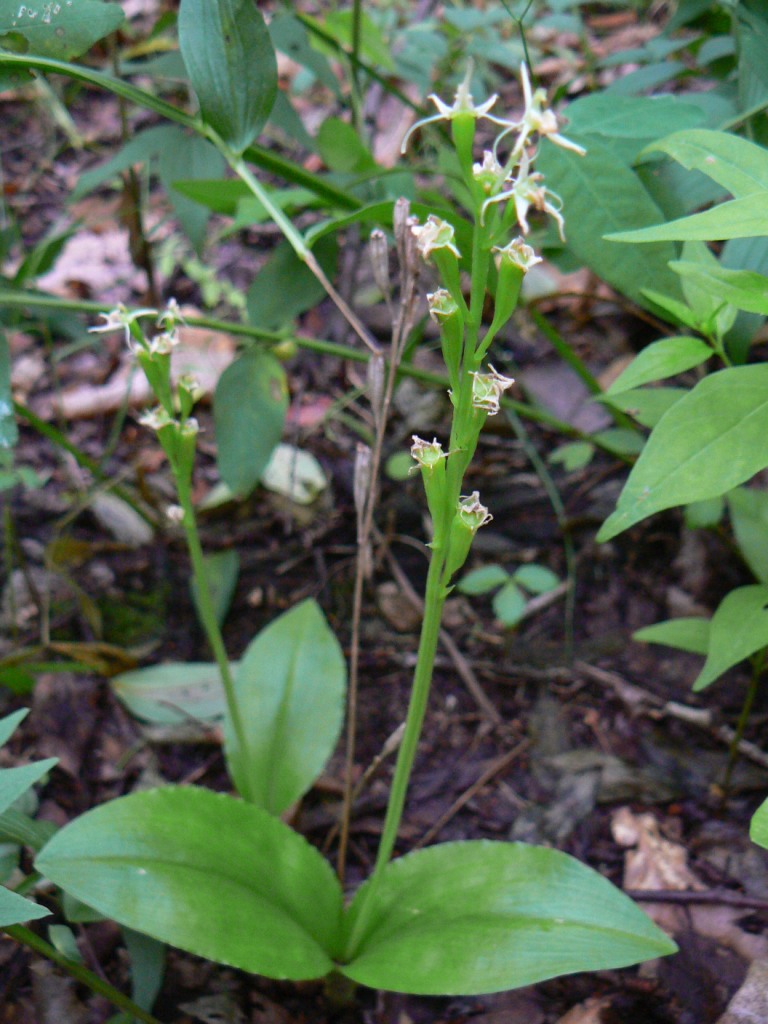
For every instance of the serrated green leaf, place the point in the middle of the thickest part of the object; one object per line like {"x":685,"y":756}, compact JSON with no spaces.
{"x":15,"y":909}
{"x":739,"y":628}
{"x":600,"y":195}
{"x":478,"y":917}
{"x":290,"y":692}
{"x":758,"y":829}
{"x":739,"y":218}
{"x":208,"y":873}
{"x":709,"y":442}
{"x":736,"y":164}
{"x":60,"y":29}
{"x":748,"y":507}
{"x":249,"y":410}
{"x":480,"y":581}
{"x":690,"y":634}
{"x":661,"y":359}
{"x":173,"y":692}
{"x":231,"y":65}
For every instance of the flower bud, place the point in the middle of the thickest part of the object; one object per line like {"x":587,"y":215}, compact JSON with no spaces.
{"x":470,"y":516}
{"x":444,"y":311}
{"x":513,"y":261}
{"x":431,"y":458}
{"x":436,"y":234}
{"x":487,"y":389}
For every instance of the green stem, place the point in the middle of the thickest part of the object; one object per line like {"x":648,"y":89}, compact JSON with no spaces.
{"x":357,"y":35}
{"x":26,"y":937}
{"x":208,"y":614}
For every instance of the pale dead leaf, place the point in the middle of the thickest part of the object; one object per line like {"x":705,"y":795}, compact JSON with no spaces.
{"x":750,"y":1004}
{"x":588,"y":1012}
{"x":655,"y":862}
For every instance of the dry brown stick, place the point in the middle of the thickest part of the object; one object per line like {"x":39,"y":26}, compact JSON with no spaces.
{"x":461,"y":664}
{"x":490,"y":772}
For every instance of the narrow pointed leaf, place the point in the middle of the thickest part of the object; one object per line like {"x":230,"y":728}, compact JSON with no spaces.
{"x":739,"y":629}
{"x":748,"y":507}
{"x":738,"y":165}
{"x":207,"y":873}
{"x":739,"y":218}
{"x":9,"y":724}
{"x":15,"y":909}
{"x":709,"y":442}
{"x":290,"y":689}
{"x":231,"y":65}
{"x":475,"y":917}
{"x":15,"y":781}
{"x":689,"y":634}
{"x":661,"y":359}
{"x":758,"y":830}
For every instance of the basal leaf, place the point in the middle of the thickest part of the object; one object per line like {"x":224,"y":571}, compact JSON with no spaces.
{"x":739,"y":628}
{"x":231,"y":65}
{"x":738,"y":165}
{"x":172,"y":692}
{"x":749,"y":518}
{"x":690,"y":634}
{"x":601,"y":194}
{"x":739,"y":218}
{"x":249,"y":411}
{"x":290,"y":692}
{"x":61,"y":29}
{"x":661,"y":359}
{"x":477,"y":917}
{"x":15,"y":909}
{"x":207,"y":873}
{"x":709,"y":442}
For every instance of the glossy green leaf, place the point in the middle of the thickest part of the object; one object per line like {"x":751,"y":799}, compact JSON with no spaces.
{"x":249,"y":410}
{"x":738,"y":165}
{"x":661,"y":359}
{"x":290,"y":691}
{"x":509,"y":604}
{"x":172,"y":692}
{"x":709,"y":442}
{"x":743,"y":289}
{"x":748,"y":507}
{"x":480,"y":581}
{"x":646,"y":405}
{"x":476,"y":917}
{"x":537,"y":579}
{"x":739,"y":218}
{"x":208,"y":873}
{"x":758,"y":829}
{"x":231,"y":65}
{"x":222,"y":569}
{"x":690,"y":634}
{"x":15,"y":909}
{"x":739,"y":628}
{"x":601,"y":194}
{"x":60,"y":30}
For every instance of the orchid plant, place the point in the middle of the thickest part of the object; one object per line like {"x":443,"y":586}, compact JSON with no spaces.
{"x":224,"y":877}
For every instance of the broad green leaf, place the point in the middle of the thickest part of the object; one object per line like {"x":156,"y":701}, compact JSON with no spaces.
{"x":600,"y":195}
{"x":341,"y":148}
{"x":509,"y":604}
{"x":173,"y":692}
{"x":231,"y":65}
{"x":480,"y":581}
{"x":631,"y":117}
{"x":684,"y":634}
{"x":249,"y":411}
{"x":15,"y":781}
{"x":758,"y":830}
{"x":222,"y":569}
{"x":749,"y":517}
{"x":661,"y":359}
{"x":738,"y":165}
{"x":478,"y":917}
{"x":739,"y":218}
{"x":743,"y":289}
{"x":646,"y":405}
{"x":739,"y":628}
{"x":15,"y":909}
{"x":290,"y":692}
{"x":709,"y":442}
{"x":208,"y":873}
{"x":8,"y":430}
{"x":285,"y":287}
{"x":60,"y":29}
{"x":536,"y":579}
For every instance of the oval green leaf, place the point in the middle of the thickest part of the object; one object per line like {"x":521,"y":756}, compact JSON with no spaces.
{"x":172,"y":692}
{"x":290,"y":691}
{"x":661,"y":359}
{"x":231,"y":65}
{"x":249,"y":412}
{"x":739,"y":628}
{"x":478,"y":917}
{"x":709,"y":442}
{"x":509,"y":604}
{"x":537,"y":579}
{"x":207,"y":873}
{"x":483,"y":579}
{"x":758,"y":830}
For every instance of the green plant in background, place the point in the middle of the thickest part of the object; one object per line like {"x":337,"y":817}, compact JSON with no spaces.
{"x":510,"y":602}
{"x":459,"y":918}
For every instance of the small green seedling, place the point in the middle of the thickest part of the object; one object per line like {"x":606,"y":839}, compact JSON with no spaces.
{"x":511,"y":600}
